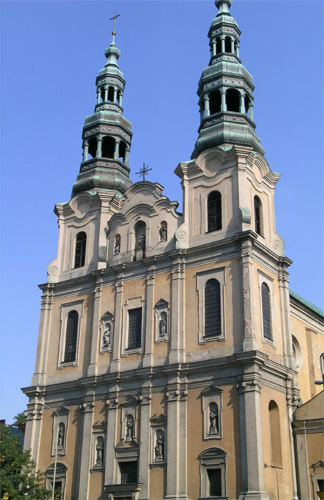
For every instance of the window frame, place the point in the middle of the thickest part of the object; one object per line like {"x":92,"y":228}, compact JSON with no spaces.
{"x":217,"y":214}
{"x":133,"y":303}
{"x":202,"y":278}
{"x":83,"y":252}
{"x":212,"y":459}
{"x":267,"y":280}
{"x":65,"y":310}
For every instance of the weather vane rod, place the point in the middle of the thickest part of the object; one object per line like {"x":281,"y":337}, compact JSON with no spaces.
{"x":143,"y":171}
{"x":114,"y":25}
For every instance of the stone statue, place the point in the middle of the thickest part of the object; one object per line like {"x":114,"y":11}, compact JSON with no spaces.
{"x":163,"y":324}
{"x":106,"y":335}
{"x":213,"y":420}
{"x":117,"y":245}
{"x":61,"y":433}
{"x":159,"y":449}
{"x":163,"y":232}
{"x":99,"y":452}
{"x":129,"y":428}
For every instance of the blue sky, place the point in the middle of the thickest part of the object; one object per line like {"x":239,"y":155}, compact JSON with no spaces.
{"x":51,"y":54}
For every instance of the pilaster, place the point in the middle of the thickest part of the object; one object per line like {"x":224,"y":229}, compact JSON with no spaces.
{"x":144,"y":457}
{"x":149,"y":322}
{"x":82,"y":489}
{"x":114,"y":367}
{"x":34,"y":417}
{"x":43,"y":336}
{"x":251,"y":439}
{"x":110,"y":461}
{"x":92,"y":369}
{"x":177,"y":354}
{"x":249,"y":338}
{"x":285,"y":313}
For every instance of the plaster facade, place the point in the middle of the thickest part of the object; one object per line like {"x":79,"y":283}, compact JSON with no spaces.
{"x":169,"y":344}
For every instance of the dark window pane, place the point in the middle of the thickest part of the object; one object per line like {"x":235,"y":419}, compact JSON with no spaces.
{"x":214,"y":211}
{"x":128,"y":472}
{"x":212,"y":308}
{"x":257,"y":214}
{"x":71,"y":336}
{"x":80,"y":249}
{"x":215,"y":482}
{"x":266,"y":311}
{"x":134,"y":328}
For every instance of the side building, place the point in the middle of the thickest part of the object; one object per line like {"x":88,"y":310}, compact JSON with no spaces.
{"x":172,"y":357}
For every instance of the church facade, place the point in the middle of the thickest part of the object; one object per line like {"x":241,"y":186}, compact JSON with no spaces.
{"x":173,"y":359}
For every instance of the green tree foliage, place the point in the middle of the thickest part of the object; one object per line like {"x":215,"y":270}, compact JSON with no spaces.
{"x":20,"y":418}
{"x":17,"y":476}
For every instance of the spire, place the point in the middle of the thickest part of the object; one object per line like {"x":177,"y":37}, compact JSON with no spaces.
{"x":106,"y":133}
{"x":225,"y":89}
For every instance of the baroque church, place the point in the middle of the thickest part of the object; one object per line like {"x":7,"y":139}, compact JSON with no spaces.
{"x":173,"y":362}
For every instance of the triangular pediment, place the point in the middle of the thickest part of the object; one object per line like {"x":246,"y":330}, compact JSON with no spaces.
{"x":158,"y":419}
{"x":212,"y":389}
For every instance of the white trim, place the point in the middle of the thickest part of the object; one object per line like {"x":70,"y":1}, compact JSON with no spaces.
{"x":202,"y":278}
{"x":65,"y":310}
{"x":134,"y":303}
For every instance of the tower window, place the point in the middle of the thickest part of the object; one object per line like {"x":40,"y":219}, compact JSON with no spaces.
{"x":134,"y":328}
{"x":266,"y":311}
{"x":214,"y":211}
{"x":218,"y":45}
{"x":233,"y":100}
{"x":92,"y":147}
{"x":228,"y":45}
{"x":108,"y":147}
{"x":122,"y":151}
{"x":215,"y":102}
{"x":80,"y":249}
{"x":247,"y":102}
{"x":111,"y":94}
{"x":128,"y":472}
{"x":71,"y":337}
{"x":102,"y":94}
{"x":258,"y":215}
{"x":212,"y":308}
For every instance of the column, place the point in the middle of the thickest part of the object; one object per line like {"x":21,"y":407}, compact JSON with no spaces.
{"x":223,"y":101}
{"x":116,"y":152}
{"x":206,"y":105}
{"x":238,"y":50}
{"x":251,"y":110}
{"x":223,"y":43}
{"x":127,"y":155}
{"x":92,"y":369}
{"x":43,"y":335}
{"x":176,"y":444}
{"x":98,"y":96}
{"x":252,"y":462}
{"x":149,"y":321}
{"x":106,"y":94}
{"x":85,"y":150}
{"x":145,"y":455}
{"x":83,"y":472}
{"x":242,"y":107}
{"x":115,"y":94}
{"x":120,"y":99}
{"x":177,"y":354}
{"x":99,"y":147}
{"x":110,"y":461}
{"x":285,"y":315}
{"x":114,"y":366}
{"x":249,"y":338}
{"x":232,"y":46}
{"x":214,"y":48}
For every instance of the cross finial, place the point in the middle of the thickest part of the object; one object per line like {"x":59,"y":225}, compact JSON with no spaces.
{"x":143,"y":171}
{"x":114,"y":25}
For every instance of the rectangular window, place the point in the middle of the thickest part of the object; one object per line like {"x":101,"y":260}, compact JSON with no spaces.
{"x":215,"y":482}
{"x":128,"y":472}
{"x":134,"y":328}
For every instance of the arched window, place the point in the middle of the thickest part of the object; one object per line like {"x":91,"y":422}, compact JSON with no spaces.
{"x":122,"y":151}
{"x":233,"y":100}
{"x":71,"y":337}
{"x":163,"y":231}
{"x":214,"y":209}
{"x":212,"y":473}
{"x":111,"y":94}
{"x":215,"y":102}
{"x":140,"y":240}
{"x":257,"y":215}
{"x":228,"y":44}
{"x":108,"y":147}
{"x":274,"y":417}
{"x":92,"y":147}
{"x":266,"y":311}
{"x":212,"y":308}
{"x":218,"y":45}
{"x":102,"y":94}
{"x":80,"y":249}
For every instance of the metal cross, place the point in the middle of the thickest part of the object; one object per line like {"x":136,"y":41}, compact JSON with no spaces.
{"x":114,"y":19}
{"x":143,"y":171}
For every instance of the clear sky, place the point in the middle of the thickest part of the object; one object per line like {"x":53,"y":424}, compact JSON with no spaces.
{"x":52,"y":52}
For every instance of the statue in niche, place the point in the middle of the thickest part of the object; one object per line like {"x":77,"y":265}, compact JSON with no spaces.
{"x":163,"y":232}
{"x":163,"y":324}
{"x":129,"y":428}
{"x":61,"y":435}
{"x":159,"y":448}
{"x":213,"y":419}
{"x":99,"y":452}
{"x":106,"y":335}
{"x":117,"y":245}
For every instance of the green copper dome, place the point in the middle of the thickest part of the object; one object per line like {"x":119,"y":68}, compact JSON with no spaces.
{"x":225,"y":90}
